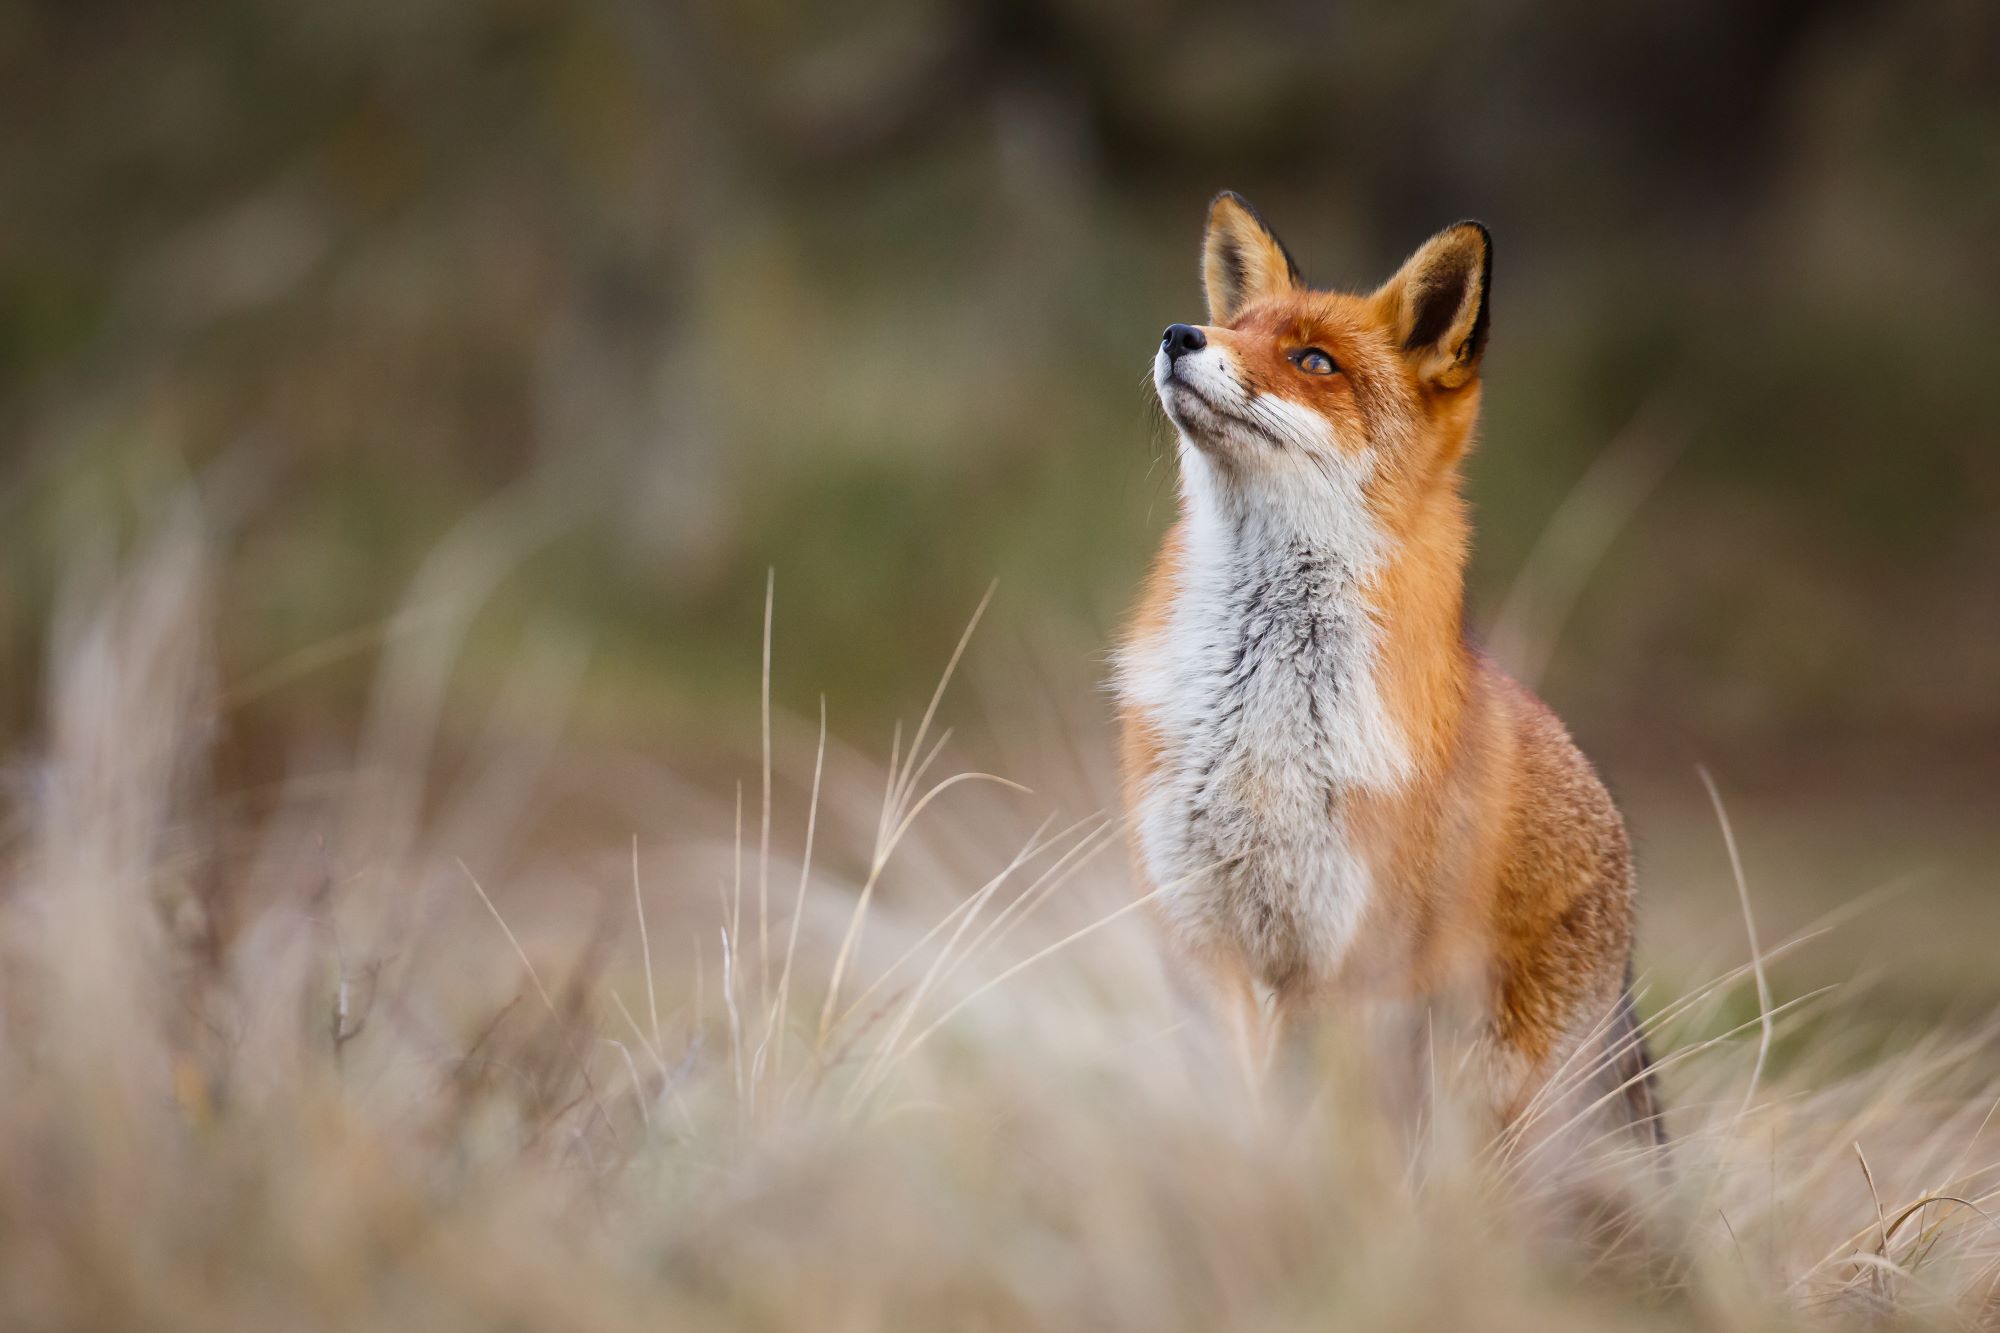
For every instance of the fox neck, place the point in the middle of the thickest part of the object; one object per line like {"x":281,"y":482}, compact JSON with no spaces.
{"x":1321,"y":573}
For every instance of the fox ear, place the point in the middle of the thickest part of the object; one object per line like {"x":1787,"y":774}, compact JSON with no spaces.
{"x":1438,"y":303}
{"x":1242,"y":260}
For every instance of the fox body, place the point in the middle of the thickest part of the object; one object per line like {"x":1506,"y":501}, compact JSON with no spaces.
{"x":1333,"y":792}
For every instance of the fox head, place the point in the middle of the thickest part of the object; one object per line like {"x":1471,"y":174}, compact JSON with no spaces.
{"x":1299,"y":402}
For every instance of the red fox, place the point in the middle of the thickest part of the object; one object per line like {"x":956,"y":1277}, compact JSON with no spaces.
{"x":1334,"y":791}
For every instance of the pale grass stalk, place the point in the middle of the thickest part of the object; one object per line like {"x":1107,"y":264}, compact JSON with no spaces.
{"x":1951,"y":1173}
{"x":943,"y":956}
{"x":764,"y":836}
{"x":1959,"y":1162}
{"x":638,"y":1033}
{"x":735,"y":1022}
{"x":1919,"y":1204}
{"x":775,"y":1023}
{"x":885,"y":846}
{"x":1052,"y":878}
{"x":950,"y":669}
{"x":1024,"y":905}
{"x":1730,"y":1128}
{"x":1017,"y":912}
{"x":700,"y":986}
{"x":1989,"y":1272}
{"x":582,"y":1066}
{"x":878,"y":863}
{"x":943,"y":923}
{"x":1842,"y":1249}
{"x":1756,"y":967}
{"x":1818,"y":928}
{"x":1847,"y":1252}
{"x":646,"y":947}
{"x":526,"y":963}
{"x":1665,"y":1062}
{"x":1046,"y":951}
{"x":638,"y":1085}
{"x":885,"y":814}
{"x":735,"y":903}
{"x":734,"y":931}
{"x":892,"y":1059}
{"x":1881,"y":1219}
{"x":914,"y":771}
{"x":1567,"y":1074}
{"x":1749,"y":930}
{"x":667,"y":1081}
{"x":1766,"y":1012}
{"x":1877,"y":1264}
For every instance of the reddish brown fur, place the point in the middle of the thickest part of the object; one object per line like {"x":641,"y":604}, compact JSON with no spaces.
{"x":1502,"y":864}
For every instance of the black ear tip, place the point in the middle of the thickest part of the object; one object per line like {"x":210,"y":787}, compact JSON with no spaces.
{"x":1485,"y":266}
{"x":1485,"y":236}
{"x":1236,"y":237}
{"x":1483,"y":322}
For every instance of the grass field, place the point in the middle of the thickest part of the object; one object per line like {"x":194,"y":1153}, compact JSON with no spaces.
{"x":861,"y":1042}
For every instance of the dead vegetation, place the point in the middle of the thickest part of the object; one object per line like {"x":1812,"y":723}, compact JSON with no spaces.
{"x":893,"y":1054}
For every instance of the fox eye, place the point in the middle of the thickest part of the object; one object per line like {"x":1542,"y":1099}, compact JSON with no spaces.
{"x":1314,"y":362}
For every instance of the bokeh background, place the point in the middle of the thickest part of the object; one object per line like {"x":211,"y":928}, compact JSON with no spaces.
{"x":677,"y":294}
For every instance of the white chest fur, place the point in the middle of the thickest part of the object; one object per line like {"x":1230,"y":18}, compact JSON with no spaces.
{"x":1261,"y":686}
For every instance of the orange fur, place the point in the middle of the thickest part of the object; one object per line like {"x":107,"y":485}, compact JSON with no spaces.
{"x":1496,"y":865}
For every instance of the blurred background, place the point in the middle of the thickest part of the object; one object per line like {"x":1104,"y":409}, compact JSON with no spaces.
{"x":669,"y":295}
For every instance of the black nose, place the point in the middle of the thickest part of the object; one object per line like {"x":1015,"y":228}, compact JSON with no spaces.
{"x":1182,"y":338}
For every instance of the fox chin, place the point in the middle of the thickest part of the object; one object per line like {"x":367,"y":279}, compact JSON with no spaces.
{"x":1334,"y":793}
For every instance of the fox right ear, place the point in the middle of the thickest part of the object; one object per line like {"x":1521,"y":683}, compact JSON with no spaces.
{"x":1242,"y":260}
{"x":1438,"y":301}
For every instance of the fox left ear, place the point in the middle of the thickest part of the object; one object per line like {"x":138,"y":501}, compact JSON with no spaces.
{"x":1438,"y":301}
{"x":1242,"y":260}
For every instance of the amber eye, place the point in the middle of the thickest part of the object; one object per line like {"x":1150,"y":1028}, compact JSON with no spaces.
{"x":1314,"y":362}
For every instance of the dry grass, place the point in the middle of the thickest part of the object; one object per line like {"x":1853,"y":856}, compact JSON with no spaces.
{"x":370,"y":1059}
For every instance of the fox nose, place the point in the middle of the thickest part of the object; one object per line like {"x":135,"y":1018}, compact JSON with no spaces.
{"x":1180,"y":339}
